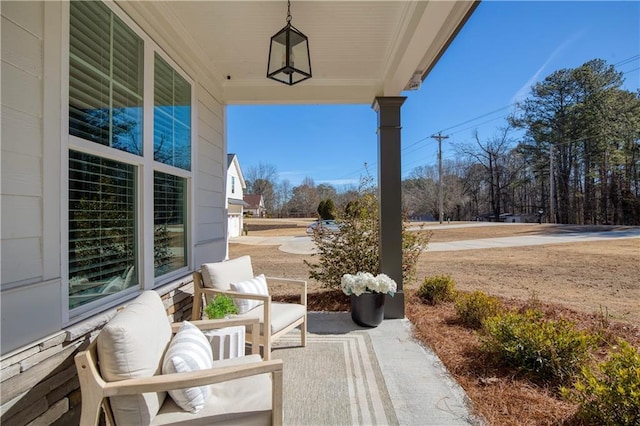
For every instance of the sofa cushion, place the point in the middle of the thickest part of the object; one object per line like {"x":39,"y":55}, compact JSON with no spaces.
{"x":257,"y":285}
{"x":189,"y":350}
{"x":245,"y":401}
{"x":132,"y":345}
{"x":220,"y":275}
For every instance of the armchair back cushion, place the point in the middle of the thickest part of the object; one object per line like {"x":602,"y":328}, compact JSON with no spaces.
{"x":130,"y":348}
{"x":220,"y":275}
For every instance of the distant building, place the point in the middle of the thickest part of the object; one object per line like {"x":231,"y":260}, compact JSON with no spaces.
{"x":255,"y":205}
{"x":235,"y":196}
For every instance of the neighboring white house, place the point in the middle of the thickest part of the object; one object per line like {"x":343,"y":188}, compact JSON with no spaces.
{"x":114,"y":153}
{"x":235,"y":193}
{"x":255,"y":205}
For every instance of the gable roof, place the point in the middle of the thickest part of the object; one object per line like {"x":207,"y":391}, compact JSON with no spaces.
{"x":254,"y":200}
{"x":232,"y":159}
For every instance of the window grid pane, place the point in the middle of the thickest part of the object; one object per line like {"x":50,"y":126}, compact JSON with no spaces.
{"x":105,"y":78}
{"x":102,"y":227}
{"x":170,"y":230}
{"x":172,"y":117}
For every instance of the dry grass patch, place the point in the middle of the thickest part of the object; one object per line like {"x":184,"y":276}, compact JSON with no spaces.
{"x":584,"y":276}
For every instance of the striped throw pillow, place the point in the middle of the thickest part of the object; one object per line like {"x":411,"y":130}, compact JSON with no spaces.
{"x":189,"y":350}
{"x":257,"y":285}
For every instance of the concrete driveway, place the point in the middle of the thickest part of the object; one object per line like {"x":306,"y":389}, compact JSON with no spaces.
{"x":304,"y":244}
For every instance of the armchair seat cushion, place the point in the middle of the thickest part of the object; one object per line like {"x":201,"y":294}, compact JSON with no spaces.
{"x":248,"y":397}
{"x":282,"y":315}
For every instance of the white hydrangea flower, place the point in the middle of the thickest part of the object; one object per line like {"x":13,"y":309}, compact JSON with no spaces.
{"x":365,"y":282}
{"x":386,"y":284}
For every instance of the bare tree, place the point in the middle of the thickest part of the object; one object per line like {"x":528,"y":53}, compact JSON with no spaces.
{"x":282,"y":196}
{"x":262,"y":179}
{"x":493,"y":155}
{"x":304,"y":200}
{"x":420,"y":192}
{"x":326,"y":192}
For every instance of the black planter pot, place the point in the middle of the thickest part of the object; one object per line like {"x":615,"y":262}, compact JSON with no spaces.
{"x":367,"y":310}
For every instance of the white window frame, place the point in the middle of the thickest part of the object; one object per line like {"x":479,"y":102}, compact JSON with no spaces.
{"x":145,"y":167}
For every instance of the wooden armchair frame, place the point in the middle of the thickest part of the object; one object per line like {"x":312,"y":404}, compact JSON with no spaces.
{"x":202,"y":294}
{"x":96,"y":391}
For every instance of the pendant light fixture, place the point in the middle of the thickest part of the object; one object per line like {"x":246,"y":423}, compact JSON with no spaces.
{"x":289,"y":60}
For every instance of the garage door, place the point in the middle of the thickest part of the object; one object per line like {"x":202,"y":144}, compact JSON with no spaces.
{"x":234,"y":225}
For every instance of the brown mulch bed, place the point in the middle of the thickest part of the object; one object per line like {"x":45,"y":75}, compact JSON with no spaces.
{"x":321,"y":301}
{"x":501,"y":395}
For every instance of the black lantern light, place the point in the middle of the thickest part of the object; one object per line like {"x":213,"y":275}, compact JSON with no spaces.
{"x":289,"y":60}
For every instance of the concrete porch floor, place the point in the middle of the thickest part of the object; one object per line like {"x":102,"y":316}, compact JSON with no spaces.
{"x":419,"y":390}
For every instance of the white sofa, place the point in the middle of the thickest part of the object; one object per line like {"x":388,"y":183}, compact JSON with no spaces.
{"x":121,"y":371}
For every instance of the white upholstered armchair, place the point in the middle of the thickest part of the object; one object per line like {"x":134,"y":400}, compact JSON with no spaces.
{"x":235,"y":278}
{"x":144,"y":370}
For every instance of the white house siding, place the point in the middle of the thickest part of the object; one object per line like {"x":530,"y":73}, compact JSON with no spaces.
{"x":211,"y":169}
{"x":30,"y":289}
{"x":39,"y":383}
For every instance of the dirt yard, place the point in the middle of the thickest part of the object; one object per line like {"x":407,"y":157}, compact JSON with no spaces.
{"x":585,"y":276}
{"x":594,"y":284}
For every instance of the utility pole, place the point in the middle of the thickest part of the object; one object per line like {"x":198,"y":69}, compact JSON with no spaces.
{"x":552,"y":188}
{"x":439,"y":137}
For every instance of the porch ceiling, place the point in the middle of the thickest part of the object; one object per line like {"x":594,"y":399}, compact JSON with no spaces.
{"x":359,"y":49}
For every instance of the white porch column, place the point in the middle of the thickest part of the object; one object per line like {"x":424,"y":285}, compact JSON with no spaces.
{"x":390,"y":201}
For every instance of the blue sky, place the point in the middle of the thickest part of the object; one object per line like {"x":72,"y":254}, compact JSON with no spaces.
{"x":504,"y":48}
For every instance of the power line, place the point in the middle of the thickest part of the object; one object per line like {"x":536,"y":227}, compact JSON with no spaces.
{"x":419,"y":147}
{"x":478,"y":117}
{"x":626,"y":61}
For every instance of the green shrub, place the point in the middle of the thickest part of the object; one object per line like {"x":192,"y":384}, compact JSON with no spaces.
{"x":474,"y":308}
{"x":327,"y":209}
{"x":356,"y":247}
{"x":437,"y":289}
{"x":609,"y":394}
{"x":220,"y":306}
{"x":549,"y":350}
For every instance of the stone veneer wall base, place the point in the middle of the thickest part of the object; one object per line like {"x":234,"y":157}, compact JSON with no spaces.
{"x":39,"y":384}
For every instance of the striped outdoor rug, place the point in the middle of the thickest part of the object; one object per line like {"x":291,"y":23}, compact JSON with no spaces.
{"x":335,"y":380}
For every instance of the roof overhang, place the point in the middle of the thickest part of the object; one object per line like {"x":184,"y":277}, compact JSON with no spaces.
{"x":359,"y":49}
{"x":236,"y":202}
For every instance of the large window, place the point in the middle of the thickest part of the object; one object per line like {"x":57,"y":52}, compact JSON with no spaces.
{"x":108,"y":211}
